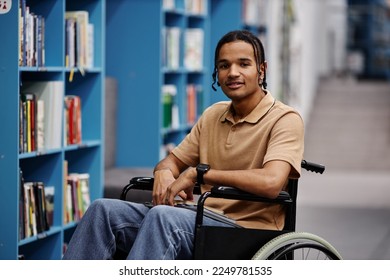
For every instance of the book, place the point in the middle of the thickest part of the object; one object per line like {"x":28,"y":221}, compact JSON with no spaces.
{"x":84,"y":192}
{"x":29,"y":102}
{"x":169,"y":4}
{"x":171,"y":47}
{"x":70,"y":42}
{"x":27,"y":210}
{"x":90,"y":50}
{"x":196,"y":7}
{"x":39,"y":207}
{"x":193,"y":49}
{"x":32,"y":208}
{"x":40,"y":125}
{"x":66,"y":206}
{"x":167,"y":107}
{"x":73,"y":129}
{"x":170,"y":109}
{"x":191,"y":104}
{"x":22,"y":32}
{"x":49,"y":198}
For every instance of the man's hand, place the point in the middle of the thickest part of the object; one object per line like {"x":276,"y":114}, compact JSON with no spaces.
{"x":172,"y":177}
{"x":183,"y":187}
{"x":162,"y":180}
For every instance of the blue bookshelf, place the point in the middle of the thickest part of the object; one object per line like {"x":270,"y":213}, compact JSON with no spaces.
{"x":47,"y":165}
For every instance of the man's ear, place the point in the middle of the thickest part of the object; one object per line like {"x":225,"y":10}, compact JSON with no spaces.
{"x":264,"y":65}
{"x":263,"y":68}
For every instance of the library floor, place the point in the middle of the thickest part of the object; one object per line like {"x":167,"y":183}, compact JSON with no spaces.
{"x":349,"y":205}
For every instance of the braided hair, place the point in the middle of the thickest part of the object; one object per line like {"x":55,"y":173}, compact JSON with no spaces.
{"x":248,"y":37}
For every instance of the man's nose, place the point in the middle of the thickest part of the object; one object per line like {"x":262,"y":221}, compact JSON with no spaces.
{"x":234,"y":70}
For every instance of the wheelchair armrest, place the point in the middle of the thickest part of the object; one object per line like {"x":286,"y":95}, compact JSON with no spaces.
{"x":236,"y":194}
{"x":143,"y":183}
{"x":137,"y":183}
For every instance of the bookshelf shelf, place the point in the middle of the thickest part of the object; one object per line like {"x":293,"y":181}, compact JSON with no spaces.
{"x":47,"y":163}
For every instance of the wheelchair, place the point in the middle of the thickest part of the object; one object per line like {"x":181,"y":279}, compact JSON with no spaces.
{"x":223,"y":243}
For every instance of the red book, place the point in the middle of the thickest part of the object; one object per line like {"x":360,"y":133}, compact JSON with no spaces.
{"x":69,"y":119}
{"x":191,"y":104}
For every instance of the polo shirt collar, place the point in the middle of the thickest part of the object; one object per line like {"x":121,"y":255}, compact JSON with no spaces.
{"x":257,"y":113}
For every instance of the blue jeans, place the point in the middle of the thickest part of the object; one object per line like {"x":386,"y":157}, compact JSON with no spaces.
{"x":113,"y":228}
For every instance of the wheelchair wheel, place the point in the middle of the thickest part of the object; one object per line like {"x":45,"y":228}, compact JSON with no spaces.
{"x":297,"y":246}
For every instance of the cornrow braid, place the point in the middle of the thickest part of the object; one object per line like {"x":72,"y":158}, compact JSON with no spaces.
{"x":248,"y":37}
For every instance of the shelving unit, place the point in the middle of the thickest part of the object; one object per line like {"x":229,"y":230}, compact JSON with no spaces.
{"x":48,"y":165}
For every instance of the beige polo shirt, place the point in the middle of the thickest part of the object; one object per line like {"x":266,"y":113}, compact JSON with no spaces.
{"x":272,"y":131}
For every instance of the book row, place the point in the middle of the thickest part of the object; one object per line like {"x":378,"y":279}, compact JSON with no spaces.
{"x":76,"y":196}
{"x":192,"y":50}
{"x":31,"y":37}
{"x":79,"y":42}
{"x":36,"y":203}
{"x":171,"y":114}
{"x":198,"y":7}
{"x":40,"y":117}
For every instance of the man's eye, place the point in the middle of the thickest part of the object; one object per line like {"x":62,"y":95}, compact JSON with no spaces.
{"x":223,"y":66}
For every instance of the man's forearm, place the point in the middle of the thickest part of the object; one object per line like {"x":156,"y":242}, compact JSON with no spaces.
{"x":172,"y":164}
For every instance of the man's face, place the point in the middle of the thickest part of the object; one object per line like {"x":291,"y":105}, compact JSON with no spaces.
{"x":237,"y":70}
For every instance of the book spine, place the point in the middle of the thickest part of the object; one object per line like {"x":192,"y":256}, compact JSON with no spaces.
{"x":191,"y":104}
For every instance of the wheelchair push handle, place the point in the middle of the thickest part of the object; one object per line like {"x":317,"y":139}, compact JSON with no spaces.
{"x":313,"y":167}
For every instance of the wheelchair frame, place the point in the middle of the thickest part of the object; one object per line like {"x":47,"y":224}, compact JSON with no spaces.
{"x":244,"y":243}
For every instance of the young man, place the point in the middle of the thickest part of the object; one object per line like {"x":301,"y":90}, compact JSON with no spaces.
{"x":252,"y":142}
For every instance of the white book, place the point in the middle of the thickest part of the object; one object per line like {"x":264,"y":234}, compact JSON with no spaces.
{"x":169,"y":4}
{"x":198,"y":7}
{"x":90,"y":50}
{"x":173,"y":47}
{"x":40,"y":124}
{"x":193,"y":49}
